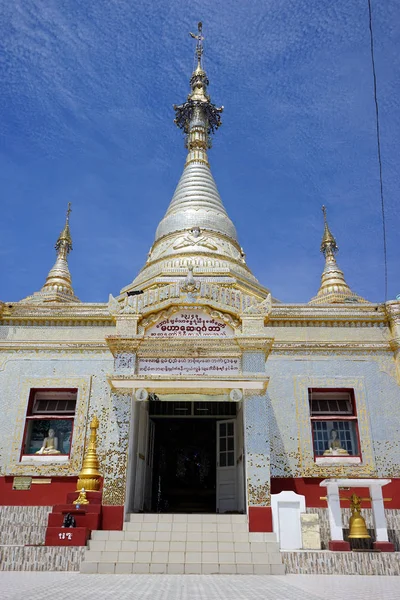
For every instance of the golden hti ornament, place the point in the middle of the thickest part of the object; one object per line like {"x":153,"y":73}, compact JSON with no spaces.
{"x":81,"y":499}
{"x":357,"y":526}
{"x":89,"y":477}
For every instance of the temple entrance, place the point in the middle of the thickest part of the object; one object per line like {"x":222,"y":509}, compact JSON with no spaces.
{"x":189,"y":457}
{"x":184,"y":471}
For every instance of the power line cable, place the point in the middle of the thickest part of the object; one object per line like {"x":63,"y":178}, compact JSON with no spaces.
{"x":378,"y":140}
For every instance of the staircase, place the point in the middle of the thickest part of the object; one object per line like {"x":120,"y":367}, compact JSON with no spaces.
{"x":183,"y":543}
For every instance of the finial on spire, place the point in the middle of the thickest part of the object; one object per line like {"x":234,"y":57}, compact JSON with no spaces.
{"x":64,"y":242}
{"x":199,"y":45}
{"x":328,"y":243}
{"x":198,"y":117}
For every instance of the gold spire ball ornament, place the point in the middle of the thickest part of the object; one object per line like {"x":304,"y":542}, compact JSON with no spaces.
{"x":333,"y":288}
{"x":58,"y":285}
{"x":89,"y":477}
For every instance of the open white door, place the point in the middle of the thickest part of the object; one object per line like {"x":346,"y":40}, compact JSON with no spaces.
{"x":226,"y":467}
{"x":240,"y":479}
{"x":141,"y":450}
{"x":148,"y":484}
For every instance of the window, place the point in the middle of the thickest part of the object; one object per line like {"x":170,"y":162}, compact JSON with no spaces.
{"x":334,"y":422}
{"x":49,"y":422}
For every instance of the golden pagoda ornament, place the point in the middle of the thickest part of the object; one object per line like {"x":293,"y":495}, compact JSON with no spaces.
{"x":357,"y":526}
{"x":89,"y":477}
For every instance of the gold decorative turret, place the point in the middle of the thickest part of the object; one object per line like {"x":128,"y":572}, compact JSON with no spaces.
{"x":333,"y":288}
{"x":58,"y":286}
{"x":89,"y":477}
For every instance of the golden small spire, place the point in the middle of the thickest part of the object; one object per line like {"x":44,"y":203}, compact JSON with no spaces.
{"x":58,"y":285}
{"x":328,"y":241}
{"x":89,"y":477}
{"x":333,"y":288}
{"x":64,"y":242}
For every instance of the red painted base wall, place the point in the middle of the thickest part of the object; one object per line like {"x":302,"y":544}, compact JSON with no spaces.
{"x":310,"y":488}
{"x":45,"y":494}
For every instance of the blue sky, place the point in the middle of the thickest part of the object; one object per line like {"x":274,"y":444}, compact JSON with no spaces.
{"x":86,"y":99}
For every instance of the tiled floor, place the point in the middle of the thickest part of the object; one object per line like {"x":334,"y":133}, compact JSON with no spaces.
{"x":63,"y":586}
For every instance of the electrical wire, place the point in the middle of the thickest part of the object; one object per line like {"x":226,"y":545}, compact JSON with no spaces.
{"x":378,"y":140}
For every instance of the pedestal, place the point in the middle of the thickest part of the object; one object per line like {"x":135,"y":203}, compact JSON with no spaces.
{"x":63,"y":536}
{"x":383,"y":546}
{"x":339,"y":546}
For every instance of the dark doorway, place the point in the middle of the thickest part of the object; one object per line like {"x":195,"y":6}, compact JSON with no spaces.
{"x":184,"y":474}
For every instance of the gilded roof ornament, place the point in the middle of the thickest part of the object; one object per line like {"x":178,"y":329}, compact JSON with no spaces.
{"x":64,"y":239}
{"x":58,"y":285}
{"x":333,"y":288}
{"x":328,"y":242}
{"x":198,"y":113}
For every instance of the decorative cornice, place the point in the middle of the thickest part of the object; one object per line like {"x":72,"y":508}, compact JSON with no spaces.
{"x":328,"y":313}
{"x":56,"y":346}
{"x":173,"y":384}
{"x":308,"y":347}
{"x":118,"y":343}
{"x":255,"y":344}
{"x":56,"y":312}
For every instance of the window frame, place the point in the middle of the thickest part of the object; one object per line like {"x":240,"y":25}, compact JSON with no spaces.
{"x":47,"y":416}
{"x":335,"y":417}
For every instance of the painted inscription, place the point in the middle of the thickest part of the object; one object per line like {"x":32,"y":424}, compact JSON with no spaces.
{"x":189,"y":366}
{"x":190,"y":324}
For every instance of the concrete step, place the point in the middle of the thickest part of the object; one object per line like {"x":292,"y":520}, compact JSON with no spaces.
{"x":204,"y":568}
{"x":182,"y":536}
{"x":181,"y":543}
{"x":185,"y":518}
{"x":193,"y":527}
{"x":188,"y":546}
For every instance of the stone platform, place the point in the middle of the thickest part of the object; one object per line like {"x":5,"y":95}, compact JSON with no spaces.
{"x":41,"y":558}
{"x":323,"y":562}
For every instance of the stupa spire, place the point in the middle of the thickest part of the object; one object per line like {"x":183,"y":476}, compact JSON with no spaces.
{"x":333,"y":288}
{"x":196,"y":229}
{"x":196,"y":201}
{"x":58,"y":285}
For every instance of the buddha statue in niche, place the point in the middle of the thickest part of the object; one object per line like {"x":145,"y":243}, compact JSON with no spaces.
{"x":50,"y":444}
{"x":335,"y":446}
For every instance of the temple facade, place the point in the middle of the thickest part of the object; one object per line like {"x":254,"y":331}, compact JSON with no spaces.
{"x":211,"y":394}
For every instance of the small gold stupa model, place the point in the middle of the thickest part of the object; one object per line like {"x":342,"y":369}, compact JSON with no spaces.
{"x":89,"y":477}
{"x":357,"y":526}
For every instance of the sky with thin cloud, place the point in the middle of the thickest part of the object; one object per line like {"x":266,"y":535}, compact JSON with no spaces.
{"x":86,"y":95}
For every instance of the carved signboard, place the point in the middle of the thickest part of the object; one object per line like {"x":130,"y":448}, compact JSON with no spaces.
{"x":189,"y":366}
{"x":190,"y":324}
